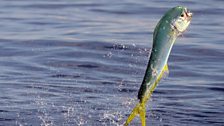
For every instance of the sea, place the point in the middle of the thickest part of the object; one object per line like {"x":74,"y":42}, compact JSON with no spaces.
{"x":81,"y":63}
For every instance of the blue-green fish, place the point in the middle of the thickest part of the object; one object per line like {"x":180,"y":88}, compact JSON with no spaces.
{"x":172,"y":24}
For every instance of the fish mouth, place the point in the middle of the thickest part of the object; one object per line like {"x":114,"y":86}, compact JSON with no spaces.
{"x":188,"y":14}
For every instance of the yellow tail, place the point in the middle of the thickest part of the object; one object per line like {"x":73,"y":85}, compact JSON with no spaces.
{"x":138,"y":110}
{"x":140,"y":107}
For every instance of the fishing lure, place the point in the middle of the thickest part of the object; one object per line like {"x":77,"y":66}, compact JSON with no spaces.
{"x":172,"y":24}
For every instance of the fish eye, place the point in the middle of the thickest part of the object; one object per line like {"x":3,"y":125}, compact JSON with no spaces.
{"x":182,"y":15}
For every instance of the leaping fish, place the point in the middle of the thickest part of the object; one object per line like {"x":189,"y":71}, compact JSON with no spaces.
{"x":170,"y":26}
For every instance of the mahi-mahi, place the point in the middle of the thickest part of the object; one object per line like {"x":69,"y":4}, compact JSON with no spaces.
{"x":171,"y":25}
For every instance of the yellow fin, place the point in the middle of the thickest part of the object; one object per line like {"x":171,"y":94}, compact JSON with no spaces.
{"x":140,"y":107}
{"x":138,"y":110}
{"x":166,"y":69}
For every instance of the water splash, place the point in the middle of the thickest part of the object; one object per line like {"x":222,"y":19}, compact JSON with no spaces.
{"x":114,"y":118}
{"x":43,"y":115}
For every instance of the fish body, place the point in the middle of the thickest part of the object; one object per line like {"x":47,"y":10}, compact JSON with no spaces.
{"x":171,"y":25}
{"x":163,"y":39}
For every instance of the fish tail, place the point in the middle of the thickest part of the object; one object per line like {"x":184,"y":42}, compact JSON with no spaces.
{"x":144,"y":95}
{"x":138,"y":110}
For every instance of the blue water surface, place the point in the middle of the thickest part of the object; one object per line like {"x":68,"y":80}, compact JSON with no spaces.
{"x":81,"y":63}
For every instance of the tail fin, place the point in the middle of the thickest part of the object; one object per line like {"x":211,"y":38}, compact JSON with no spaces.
{"x":143,"y":96}
{"x":138,"y":110}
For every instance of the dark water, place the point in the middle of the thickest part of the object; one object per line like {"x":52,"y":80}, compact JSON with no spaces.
{"x":81,"y":63}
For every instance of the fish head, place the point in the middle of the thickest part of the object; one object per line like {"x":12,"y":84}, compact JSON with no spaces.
{"x":180,"y":18}
{"x":173,"y":23}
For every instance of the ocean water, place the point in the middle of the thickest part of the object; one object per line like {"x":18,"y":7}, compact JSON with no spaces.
{"x":81,"y":63}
